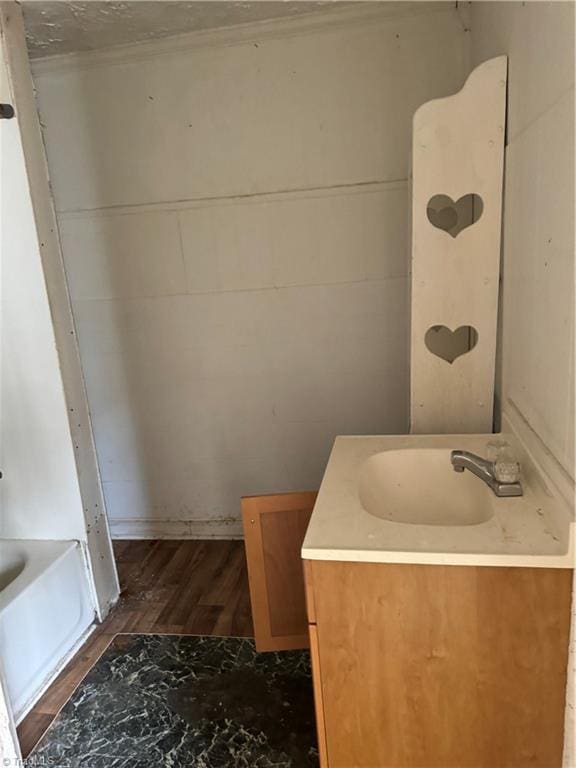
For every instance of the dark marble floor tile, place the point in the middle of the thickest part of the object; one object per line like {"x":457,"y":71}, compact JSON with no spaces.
{"x":172,"y":701}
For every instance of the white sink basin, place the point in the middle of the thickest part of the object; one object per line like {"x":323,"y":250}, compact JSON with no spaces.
{"x":396,"y":499}
{"x":419,"y":486}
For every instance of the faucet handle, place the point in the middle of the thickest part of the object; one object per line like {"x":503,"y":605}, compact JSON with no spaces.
{"x":506,"y":465}
{"x":507,"y":472}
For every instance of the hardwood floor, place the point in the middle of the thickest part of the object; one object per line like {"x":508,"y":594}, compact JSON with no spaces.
{"x":168,"y":587}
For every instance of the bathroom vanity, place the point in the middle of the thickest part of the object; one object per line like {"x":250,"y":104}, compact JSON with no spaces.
{"x":438,"y":613}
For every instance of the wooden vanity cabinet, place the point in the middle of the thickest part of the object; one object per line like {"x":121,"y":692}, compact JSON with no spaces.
{"x":438,"y":666}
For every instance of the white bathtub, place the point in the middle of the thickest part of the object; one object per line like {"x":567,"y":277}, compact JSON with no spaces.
{"x":45,"y":608}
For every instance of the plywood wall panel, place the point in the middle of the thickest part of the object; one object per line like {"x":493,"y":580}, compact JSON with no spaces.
{"x":538,"y":283}
{"x":241,"y":291}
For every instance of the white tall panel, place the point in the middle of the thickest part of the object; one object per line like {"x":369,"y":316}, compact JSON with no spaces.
{"x":458,"y":149}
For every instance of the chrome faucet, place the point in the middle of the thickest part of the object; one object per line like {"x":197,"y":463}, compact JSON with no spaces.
{"x":503,"y":479}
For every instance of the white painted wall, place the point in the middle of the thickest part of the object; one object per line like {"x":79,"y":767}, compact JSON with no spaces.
{"x":233,"y":216}
{"x":52,"y":487}
{"x":538,"y":247}
{"x":39,"y":493}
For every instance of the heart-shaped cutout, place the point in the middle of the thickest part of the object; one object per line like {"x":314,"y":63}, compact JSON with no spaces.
{"x":452,"y":217}
{"x":449,"y":345}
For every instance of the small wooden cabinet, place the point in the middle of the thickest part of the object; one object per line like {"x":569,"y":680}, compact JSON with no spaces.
{"x":274,"y":529}
{"x":438,"y":666}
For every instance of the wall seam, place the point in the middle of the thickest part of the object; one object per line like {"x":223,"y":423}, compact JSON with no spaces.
{"x":208,"y":201}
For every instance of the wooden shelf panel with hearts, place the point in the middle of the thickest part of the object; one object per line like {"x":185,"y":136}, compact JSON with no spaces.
{"x":457,"y":160}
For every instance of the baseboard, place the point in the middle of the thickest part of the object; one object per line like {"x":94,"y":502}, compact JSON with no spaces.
{"x":176,"y":529}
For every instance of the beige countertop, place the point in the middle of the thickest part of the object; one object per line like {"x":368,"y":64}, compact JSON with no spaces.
{"x":534,"y":530}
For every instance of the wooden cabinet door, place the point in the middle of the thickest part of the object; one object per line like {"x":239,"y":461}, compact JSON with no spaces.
{"x":274,"y":529}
